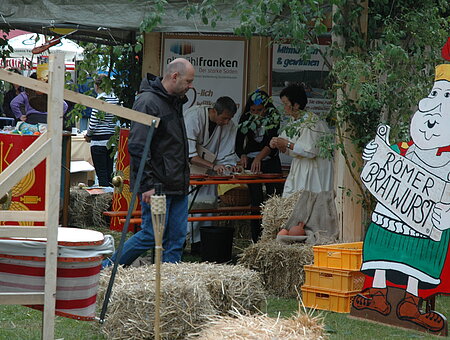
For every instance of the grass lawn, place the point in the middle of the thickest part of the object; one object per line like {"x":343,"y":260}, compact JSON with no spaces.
{"x":22,"y":323}
{"x":342,"y":327}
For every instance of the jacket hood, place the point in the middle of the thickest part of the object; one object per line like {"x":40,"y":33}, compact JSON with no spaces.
{"x":153,"y":84}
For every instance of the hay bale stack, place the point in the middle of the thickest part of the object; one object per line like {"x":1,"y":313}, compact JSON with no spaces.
{"x":280,"y":265}
{"x":131,"y":311}
{"x":260,"y":327}
{"x":276,"y":211}
{"x":86,"y":210}
{"x":189,"y":293}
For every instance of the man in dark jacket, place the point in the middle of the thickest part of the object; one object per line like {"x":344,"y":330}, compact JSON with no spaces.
{"x":167,"y":162}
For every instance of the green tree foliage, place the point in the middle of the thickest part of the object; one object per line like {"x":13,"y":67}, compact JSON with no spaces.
{"x":377,"y":76}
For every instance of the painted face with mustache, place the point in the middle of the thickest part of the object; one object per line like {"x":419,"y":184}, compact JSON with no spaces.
{"x":430,"y":125}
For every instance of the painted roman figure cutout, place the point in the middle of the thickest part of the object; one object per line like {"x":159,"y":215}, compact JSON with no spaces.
{"x":405,"y":255}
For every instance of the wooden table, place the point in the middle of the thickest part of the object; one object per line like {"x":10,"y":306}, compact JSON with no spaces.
{"x":219,"y":211}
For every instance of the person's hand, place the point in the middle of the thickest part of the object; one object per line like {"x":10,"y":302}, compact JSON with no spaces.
{"x":370,"y":150}
{"x":23,"y":118}
{"x":234,"y":168}
{"x":147,"y":196}
{"x":273,"y":143}
{"x":87,"y":138}
{"x":244,"y":161}
{"x":220,"y":169}
{"x":256,"y":165}
{"x":279,"y":143}
{"x":441,"y":216}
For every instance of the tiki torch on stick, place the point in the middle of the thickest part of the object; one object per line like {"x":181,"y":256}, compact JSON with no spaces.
{"x":158,"y":208}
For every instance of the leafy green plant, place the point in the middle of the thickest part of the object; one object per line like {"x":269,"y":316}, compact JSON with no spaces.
{"x":269,"y":120}
{"x":379,"y":72}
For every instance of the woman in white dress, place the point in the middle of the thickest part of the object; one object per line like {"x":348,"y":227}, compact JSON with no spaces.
{"x":308,"y":170}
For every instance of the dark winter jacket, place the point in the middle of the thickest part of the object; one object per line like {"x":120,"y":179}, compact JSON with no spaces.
{"x":167,"y":161}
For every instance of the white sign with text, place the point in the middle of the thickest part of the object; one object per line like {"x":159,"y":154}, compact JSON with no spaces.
{"x":403,"y":186}
{"x":220,"y":67}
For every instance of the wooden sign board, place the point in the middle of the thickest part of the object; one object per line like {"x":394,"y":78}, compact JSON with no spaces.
{"x":404,"y":187}
{"x":405,"y":253}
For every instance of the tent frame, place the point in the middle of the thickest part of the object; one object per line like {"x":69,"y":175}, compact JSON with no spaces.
{"x":48,"y":146}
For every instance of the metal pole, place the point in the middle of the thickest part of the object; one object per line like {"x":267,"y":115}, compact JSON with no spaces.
{"x":127,"y":221}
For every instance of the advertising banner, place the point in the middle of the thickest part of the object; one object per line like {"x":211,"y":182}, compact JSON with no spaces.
{"x":219,"y":62}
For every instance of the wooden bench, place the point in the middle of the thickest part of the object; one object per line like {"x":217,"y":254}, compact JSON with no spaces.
{"x":192,"y":211}
{"x":135,"y":222}
{"x":136,"y":219}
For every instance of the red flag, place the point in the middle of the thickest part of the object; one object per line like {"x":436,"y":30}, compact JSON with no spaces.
{"x":446,"y":50}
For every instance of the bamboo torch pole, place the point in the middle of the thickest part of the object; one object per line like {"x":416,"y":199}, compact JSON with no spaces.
{"x":158,"y":208}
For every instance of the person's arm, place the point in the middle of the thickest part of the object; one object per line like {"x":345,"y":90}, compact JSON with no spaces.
{"x":197,"y":160}
{"x":93,"y":122}
{"x":15,"y":105}
{"x":136,"y":143}
{"x":295,"y":149}
{"x":256,"y":164}
{"x":65,"y":106}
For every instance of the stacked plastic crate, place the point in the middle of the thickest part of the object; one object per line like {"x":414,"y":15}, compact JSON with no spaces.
{"x":334,"y":278}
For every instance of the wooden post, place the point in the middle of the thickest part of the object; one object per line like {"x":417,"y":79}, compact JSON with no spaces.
{"x":151,"y":59}
{"x":53,"y":182}
{"x":259,"y":64}
{"x":350,"y":211}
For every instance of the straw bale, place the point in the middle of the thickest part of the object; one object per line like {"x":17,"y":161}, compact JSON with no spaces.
{"x":275,"y":213}
{"x":189,"y":293}
{"x":301,"y":326}
{"x":280,"y":265}
{"x":232,"y":287}
{"x":86,"y":210}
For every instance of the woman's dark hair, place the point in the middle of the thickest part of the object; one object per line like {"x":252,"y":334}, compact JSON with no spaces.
{"x":296,"y":94}
{"x":255,"y":98}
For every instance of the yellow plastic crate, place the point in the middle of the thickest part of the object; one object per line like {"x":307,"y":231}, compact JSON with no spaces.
{"x":330,"y":300}
{"x":340,"y":256}
{"x":335,"y":279}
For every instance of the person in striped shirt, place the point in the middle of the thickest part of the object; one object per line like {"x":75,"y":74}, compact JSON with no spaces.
{"x":101,"y":129}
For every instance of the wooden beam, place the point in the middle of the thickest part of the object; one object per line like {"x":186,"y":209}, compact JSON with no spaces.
{"x":29,"y":83}
{"x":52,"y":186}
{"x":24,"y":163}
{"x":28,"y":298}
{"x":29,"y":215}
{"x":110,"y":108}
{"x":79,"y":98}
{"x":26,"y":232}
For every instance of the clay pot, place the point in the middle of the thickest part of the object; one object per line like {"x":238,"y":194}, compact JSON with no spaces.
{"x":297,"y":230}
{"x":283,"y":232}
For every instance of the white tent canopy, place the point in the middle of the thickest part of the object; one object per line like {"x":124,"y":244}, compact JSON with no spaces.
{"x":23,"y":44}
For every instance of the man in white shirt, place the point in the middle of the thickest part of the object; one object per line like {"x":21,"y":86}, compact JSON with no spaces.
{"x":211,"y":130}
